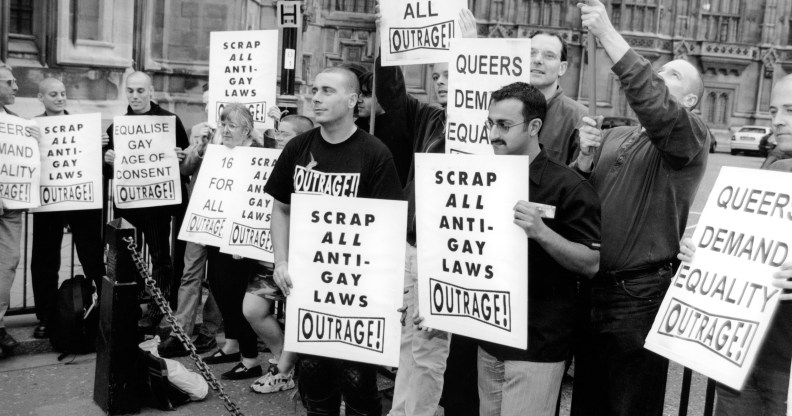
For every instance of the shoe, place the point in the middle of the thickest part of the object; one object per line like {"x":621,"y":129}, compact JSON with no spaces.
{"x":204,"y":343}
{"x":7,"y":341}
{"x":171,"y":348}
{"x":240,"y":372}
{"x":219,"y":357}
{"x":41,"y":331}
{"x":273,"y":381}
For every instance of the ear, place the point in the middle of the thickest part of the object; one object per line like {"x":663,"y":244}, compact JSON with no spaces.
{"x":353,"y":100}
{"x":534,"y":126}
{"x":562,"y":68}
{"x":40,"y":96}
{"x":689,"y":100}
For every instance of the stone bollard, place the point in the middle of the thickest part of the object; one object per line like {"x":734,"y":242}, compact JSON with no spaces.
{"x":116,"y":382}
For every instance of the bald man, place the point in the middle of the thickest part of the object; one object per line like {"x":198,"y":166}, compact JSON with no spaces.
{"x":48,"y":227}
{"x":154,"y":223}
{"x":646,"y":177}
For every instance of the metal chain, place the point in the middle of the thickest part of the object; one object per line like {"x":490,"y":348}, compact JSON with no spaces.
{"x":164,"y":307}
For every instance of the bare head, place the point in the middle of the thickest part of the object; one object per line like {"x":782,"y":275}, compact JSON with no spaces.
{"x":290,"y":127}
{"x":8,"y":85}
{"x":781,"y":112}
{"x":139,"y":89}
{"x":440,"y":79}
{"x":683,"y":81}
{"x":52,"y":93}
{"x":335,"y":95}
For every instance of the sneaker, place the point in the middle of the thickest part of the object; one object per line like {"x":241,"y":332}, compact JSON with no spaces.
{"x":204,"y":343}
{"x":273,"y":381}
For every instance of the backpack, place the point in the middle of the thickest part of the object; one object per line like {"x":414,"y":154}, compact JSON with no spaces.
{"x":74,"y":321}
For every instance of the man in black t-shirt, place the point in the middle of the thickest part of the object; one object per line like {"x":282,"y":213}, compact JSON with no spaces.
{"x":561,"y":247}
{"x":341,"y":160}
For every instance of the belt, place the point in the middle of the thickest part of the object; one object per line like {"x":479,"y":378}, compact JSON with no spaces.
{"x":608,"y":278}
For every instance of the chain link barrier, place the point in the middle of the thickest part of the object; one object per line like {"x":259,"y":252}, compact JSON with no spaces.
{"x":164,"y":307}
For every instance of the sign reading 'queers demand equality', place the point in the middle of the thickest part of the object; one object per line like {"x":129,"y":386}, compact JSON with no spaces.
{"x":719,"y":306}
{"x":478,"y":67}
{"x":472,"y":258}
{"x":243,"y":69}
{"x":71,"y":162}
{"x":146,"y":167}
{"x":418,"y":31}
{"x":20,"y":166}
{"x":346,"y":262}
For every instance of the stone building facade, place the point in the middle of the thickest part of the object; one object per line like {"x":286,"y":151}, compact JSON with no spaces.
{"x":741,"y":46}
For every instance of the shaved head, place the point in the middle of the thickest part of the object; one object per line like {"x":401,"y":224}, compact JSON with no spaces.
{"x":351,"y":83}
{"x":683,"y":81}
{"x":139,"y":90}
{"x":48,"y":84}
{"x":52,"y":93}
{"x":139,"y":76}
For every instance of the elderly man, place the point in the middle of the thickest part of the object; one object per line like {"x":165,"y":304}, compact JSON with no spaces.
{"x":85,"y":225}
{"x":646,"y":177}
{"x":154,"y":223}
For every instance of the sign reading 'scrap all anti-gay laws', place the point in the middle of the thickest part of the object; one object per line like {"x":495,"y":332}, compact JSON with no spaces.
{"x":472,"y":258}
{"x":719,"y":306}
{"x":418,"y":31}
{"x":346,"y":262}
{"x":146,"y":167}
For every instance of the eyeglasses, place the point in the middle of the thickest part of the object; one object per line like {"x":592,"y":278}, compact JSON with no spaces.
{"x":9,"y":82}
{"x":502,"y":128}
{"x":231,"y":126}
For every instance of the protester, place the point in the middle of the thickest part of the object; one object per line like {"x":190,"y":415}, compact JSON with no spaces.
{"x":562,"y":248}
{"x":229,"y":275}
{"x":337,"y":147}
{"x":646,"y":177}
{"x":190,"y":294}
{"x":425,"y":363}
{"x":10,"y":222}
{"x":548,"y":65}
{"x":153,"y":223}
{"x":767,"y":385}
{"x":85,"y":226}
{"x":262,"y":291}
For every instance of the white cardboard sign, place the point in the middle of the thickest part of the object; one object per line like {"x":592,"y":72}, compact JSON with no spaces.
{"x":472,"y":258}
{"x":716,"y":312}
{"x":477,"y":68}
{"x":346,"y":262}
{"x":71,"y":162}
{"x":243,"y":68}
{"x":20,"y":165}
{"x":145,"y":168}
{"x":418,"y":31}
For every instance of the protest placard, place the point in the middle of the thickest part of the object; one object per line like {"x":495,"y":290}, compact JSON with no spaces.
{"x":346,"y":262}
{"x":479,"y":67}
{"x":71,"y":162}
{"x":215,"y":186}
{"x":145,"y":168}
{"x":472,"y":258}
{"x":243,"y":69}
{"x":718,"y":306}
{"x":20,"y":166}
{"x":249,"y":213}
{"x":418,"y":31}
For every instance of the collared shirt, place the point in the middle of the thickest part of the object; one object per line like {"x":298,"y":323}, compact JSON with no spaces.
{"x":559,"y":129}
{"x":647,"y":176}
{"x":552,"y":289}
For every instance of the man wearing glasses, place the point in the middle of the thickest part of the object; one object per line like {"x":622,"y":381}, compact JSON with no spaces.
{"x":563,"y":245}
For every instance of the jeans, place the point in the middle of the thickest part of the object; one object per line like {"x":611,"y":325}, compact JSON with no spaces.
{"x":86,"y":230}
{"x":324,"y":381}
{"x":422,"y":356}
{"x":764,"y":394}
{"x":10,"y":239}
{"x":616,"y":375}
{"x":190,"y":290}
{"x":516,"y":388}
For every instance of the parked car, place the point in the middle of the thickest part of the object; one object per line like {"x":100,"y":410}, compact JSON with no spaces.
{"x":747,"y":138}
{"x":767,"y":144}
{"x":611,"y":122}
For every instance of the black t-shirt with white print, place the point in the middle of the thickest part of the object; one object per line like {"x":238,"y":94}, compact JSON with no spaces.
{"x":360,"y":166}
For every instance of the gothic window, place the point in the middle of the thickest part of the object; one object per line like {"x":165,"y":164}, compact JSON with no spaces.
{"x":721,"y":23}
{"x":635,"y":15}
{"x":25,"y":30}
{"x":541,"y":12}
{"x":711,"y":98}
{"x":354,"y":6}
{"x":722,"y":109}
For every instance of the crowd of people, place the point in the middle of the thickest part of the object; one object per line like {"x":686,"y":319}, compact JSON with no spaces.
{"x":598,"y":268}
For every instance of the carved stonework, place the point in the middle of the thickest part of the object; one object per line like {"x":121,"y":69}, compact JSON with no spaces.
{"x":725,"y":58}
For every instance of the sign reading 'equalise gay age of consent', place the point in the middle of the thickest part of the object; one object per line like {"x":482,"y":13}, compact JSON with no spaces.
{"x":719,"y":306}
{"x":243,"y":69}
{"x":71,"y":162}
{"x":20,"y":165}
{"x":472,"y":258}
{"x":418,"y":31}
{"x":478,"y":67}
{"x":146,"y":167}
{"x":346,"y":262}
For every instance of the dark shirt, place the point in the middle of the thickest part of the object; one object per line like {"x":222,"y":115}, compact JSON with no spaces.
{"x":393,"y":137}
{"x":559,"y":129}
{"x":774,"y":156}
{"x":420,"y":124}
{"x":647,"y":176}
{"x":360,"y":166}
{"x":552,"y":289}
